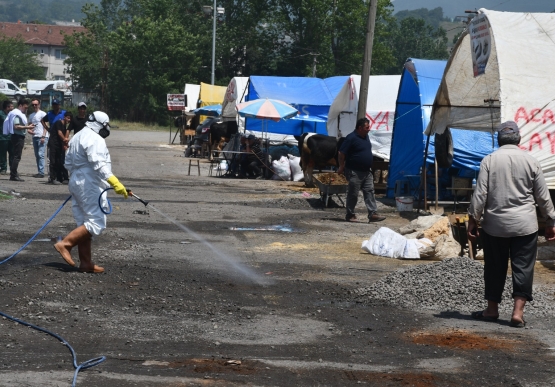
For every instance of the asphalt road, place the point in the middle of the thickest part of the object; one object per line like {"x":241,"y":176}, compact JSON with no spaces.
{"x":189,"y":300}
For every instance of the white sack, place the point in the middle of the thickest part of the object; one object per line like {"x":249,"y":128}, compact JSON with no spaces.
{"x":296,"y":170}
{"x":387,"y":243}
{"x":281,"y":169}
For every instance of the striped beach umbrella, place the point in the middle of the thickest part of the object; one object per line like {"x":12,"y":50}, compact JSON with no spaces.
{"x":267,"y":109}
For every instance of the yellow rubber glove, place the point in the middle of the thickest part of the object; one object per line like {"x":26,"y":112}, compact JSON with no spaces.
{"x":118,"y":187}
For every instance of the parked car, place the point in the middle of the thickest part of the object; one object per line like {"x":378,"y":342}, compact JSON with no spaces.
{"x":10,"y":90}
{"x":34,"y":87}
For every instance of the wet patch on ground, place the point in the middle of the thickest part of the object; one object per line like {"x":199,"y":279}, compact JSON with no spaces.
{"x":462,"y":339}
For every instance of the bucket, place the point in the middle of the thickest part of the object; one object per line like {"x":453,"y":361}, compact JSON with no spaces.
{"x":404,"y":203}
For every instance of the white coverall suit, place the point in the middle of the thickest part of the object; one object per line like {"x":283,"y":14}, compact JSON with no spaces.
{"x":88,"y":161}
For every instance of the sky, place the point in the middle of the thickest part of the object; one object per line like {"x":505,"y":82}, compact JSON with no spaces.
{"x":455,"y":8}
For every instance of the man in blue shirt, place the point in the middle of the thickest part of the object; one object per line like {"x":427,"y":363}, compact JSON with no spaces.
{"x":355,"y":162}
{"x":53,"y":115}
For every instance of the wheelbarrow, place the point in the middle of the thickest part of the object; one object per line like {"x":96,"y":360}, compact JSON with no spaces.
{"x":328,"y":190}
{"x":458,"y":224}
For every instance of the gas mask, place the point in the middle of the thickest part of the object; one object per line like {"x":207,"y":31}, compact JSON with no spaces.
{"x":100,"y":123}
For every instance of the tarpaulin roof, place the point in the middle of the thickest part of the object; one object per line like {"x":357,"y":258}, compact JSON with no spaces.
{"x":211,"y":95}
{"x":311,"y":96}
{"x":419,"y":84}
{"x":515,"y":85}
{"x":380,"y":110}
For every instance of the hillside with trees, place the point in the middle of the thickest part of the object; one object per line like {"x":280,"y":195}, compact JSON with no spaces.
{"x":42,"y":11}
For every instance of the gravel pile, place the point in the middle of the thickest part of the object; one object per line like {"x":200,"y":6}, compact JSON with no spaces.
{"x":455,"y":284}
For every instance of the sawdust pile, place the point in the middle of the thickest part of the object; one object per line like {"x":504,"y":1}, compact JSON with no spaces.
{"x":331,"y":179}
{"x":439,"y":228}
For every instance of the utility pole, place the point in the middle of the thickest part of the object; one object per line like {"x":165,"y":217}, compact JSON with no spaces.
{"x":213,"y":44}
{"x":314,"y":61}
{"x":370,"y":26}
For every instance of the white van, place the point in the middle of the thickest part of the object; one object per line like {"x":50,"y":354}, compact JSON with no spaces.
{"x":10,"y":90}
{"x":34,"y":87}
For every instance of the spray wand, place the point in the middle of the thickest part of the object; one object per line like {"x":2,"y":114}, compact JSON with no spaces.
{"x":145,"y":202}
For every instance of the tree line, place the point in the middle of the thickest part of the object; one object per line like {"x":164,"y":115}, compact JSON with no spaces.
{"x":134,"y":52}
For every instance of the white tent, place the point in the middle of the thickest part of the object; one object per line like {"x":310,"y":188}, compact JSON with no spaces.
{"x":235,"y":94}
{"x":380,"y":110}
{"x":193,"y":93}
{"x":515,"y":82}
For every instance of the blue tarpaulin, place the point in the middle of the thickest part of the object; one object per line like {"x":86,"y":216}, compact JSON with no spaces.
{"x":312,"y":97}
{"x":419,"y":84}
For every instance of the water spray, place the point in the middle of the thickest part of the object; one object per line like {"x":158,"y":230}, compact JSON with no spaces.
{"x":217,"y":253}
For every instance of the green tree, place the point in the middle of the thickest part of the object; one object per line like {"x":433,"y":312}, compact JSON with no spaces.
{"x":431,"y":16}
{"x":17,"y":62}
{"x":333,"y":33}
{"x":415,"y":38}
{"x":133,"y":61}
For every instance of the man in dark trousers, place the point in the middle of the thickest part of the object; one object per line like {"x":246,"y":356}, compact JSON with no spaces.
{"x":510,"y":185}
{"x":5,"y":139}
{"x":355,"y":162}
{"x":57,"y":146}
{"x":16,"y":125}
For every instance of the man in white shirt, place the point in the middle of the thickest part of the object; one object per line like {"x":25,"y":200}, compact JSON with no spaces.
{"x":40,"y":136}
{"x":16,"y":125}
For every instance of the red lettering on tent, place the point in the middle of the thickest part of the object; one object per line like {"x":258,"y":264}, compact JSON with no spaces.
{"x":548,"y":114}
{"x":535,"y":139}
{"x":373,"y":120}
{"x":521,"y":115}
{"x":551,"y":142}
{"x":384,"y":121}
{"x":533,"y":114}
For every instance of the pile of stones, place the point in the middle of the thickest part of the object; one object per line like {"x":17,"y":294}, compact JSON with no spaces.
{"x":455,"y":284}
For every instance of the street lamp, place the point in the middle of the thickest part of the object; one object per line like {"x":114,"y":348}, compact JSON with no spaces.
{"x":208,"y":10}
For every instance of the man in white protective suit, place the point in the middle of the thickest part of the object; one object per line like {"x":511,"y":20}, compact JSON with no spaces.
{"x":89,"y":164}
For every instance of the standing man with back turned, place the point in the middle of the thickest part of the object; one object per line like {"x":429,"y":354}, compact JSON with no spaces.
{"x":509,"y":186}
{"x":355,"y":162}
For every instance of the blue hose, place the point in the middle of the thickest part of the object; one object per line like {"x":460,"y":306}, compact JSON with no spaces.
{"x":109,"y":203}
{"x":88,"y":363}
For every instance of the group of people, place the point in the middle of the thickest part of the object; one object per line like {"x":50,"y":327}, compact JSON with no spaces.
{"x":85,"y":156}
{"x":50,"y":131}
{"x":249,"y":162}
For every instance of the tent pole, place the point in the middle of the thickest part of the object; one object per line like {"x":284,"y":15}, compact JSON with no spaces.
{"x":437,"y":182}
{"x":424,"y":175}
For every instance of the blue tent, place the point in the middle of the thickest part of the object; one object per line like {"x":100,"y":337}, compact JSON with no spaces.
{"x":311,"y":96}
{"x":419,"y":84}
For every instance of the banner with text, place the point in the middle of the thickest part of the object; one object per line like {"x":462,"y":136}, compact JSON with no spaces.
{"x":480,"y":43}
{"x":177,"y":101}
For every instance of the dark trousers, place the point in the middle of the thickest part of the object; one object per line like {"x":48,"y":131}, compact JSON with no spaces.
{"x":17,"y":149}
{"x":6,"y":154}
{"x":522,"y":251}
{"x":251,"y":167}
{"x":360,"y":180}
{"x":56,"y":160}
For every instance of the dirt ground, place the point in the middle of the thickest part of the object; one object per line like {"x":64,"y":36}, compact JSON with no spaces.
{"x":208,"y":302}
